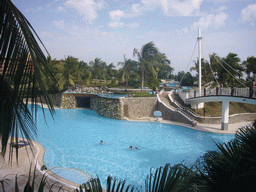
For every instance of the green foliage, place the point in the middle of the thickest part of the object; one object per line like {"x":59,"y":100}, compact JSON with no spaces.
{"x":188,"y":80}
{"x":165,"y":72}
{"x":133,"y":83}
{"x":142,"y":94}
{"x":168,"y":178}
{"x":112,"y":84}
{"x":233,"y":166}
{"x":153,"y":83}
{"x":24,"y":70}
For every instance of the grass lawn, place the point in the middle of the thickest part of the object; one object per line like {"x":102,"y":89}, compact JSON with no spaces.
{"x":214,"y":109}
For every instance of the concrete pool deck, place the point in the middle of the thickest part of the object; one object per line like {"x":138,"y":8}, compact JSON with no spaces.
{"x":27,"y":159}
{"x":213,"y":128}
{"x":34,"y":160}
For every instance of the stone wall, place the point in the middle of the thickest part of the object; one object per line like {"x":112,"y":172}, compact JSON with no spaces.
{"x":171,"y":115}
{"x":68,"y":102}
{"x":137,"y":107}
{"x":107,"y":107}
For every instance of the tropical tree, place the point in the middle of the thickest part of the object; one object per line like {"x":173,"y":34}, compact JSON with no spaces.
{"x":146,"y":57}
{"x":69,"y":72}
{"x":206,"y":71}
{"x":230,"y":69}
{"x":23,"y":77}
{"x":99,"y":69}
{"x":129,"y":69}
{"x":159,"y":62}
{"x":233,"y":166}
{"x":165,"y":72}
{"x":250,"y":66}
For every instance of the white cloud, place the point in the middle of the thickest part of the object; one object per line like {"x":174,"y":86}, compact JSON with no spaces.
{"x":86,"y":8}
{"x":219,"y":19}
{"x":249,"y":13}
{"x":185,"y":8}
{"x":60,"y":8}
{"x":174,"y":8}
{"x":133,"y":25}
{"x":218,"y":2}
{"x":115,"y":24}
{"x":115,"y":18}
{"x":211,"y":20}
{"x":59,"y":24}
{"x":116,"y":15}
{"x":220,"y":9}
{"x":136,"y":8}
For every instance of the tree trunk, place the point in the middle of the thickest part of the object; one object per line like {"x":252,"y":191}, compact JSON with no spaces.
{"x":126,"y":81}
{"x":142,"y":80}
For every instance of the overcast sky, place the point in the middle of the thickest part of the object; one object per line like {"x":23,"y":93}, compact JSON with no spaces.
{"x":108,"y":29}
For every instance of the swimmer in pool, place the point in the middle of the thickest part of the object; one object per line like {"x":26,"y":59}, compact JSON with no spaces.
{"x":133,"y":147}
{"x":101,"y":142}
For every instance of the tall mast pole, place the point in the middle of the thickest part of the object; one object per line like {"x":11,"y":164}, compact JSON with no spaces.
{"x":199,"y":60}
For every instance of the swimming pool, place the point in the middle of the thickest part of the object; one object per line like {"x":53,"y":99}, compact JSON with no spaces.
{"x":72,"y":146}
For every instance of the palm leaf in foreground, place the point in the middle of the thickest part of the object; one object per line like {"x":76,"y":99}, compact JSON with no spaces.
{"x":168,"y":178}
{"x":233,"y":166}
{"x":24,"y":76}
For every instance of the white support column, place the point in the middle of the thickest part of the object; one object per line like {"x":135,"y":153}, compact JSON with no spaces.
{"x":225,"y":115}
{"x":199,"y":39}
{"x":199,"y":60}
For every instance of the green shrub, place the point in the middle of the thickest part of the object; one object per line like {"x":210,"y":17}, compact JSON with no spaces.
{"x":143,"y":94}
{"x":133,"y":83}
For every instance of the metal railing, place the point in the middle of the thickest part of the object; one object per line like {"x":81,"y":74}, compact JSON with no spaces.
{"x":227,"y":91}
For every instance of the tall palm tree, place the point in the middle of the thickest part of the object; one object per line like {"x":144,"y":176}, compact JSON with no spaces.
{"x":250,"y":66}
{"x":68,"y":72}
{"x":146,"y":56}
{"x":160,"y":61}
{"x":129,"y":68}
{"x":207,"y":75}
{"x":24,"y":75}
{"x":98,"y":69}
{"x":232,"y":68}
{"x":111,"y":71}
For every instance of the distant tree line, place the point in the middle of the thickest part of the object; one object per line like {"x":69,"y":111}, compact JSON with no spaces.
{"x":150,"y":67}
{"x":227,"y":71}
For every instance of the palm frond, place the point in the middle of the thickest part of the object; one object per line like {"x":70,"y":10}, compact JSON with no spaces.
{"x":168,"y":178}
{"x":24,"y":75}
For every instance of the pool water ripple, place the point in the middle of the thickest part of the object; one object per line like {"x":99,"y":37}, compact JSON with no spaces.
{"x":72,"y":141}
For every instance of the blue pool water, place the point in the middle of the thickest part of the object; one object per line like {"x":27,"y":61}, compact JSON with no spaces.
{"x":72,"y":146}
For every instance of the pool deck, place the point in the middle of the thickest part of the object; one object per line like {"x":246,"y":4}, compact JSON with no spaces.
{"x":27,"y":159}
{"x":213,"y":128}
{"x":20,"y":168}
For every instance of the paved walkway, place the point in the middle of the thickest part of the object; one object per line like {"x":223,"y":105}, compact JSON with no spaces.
{"x":20,"y":168}
{"x":213,"y":128}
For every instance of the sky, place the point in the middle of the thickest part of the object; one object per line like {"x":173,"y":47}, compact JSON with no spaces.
{"x":110,"y":29}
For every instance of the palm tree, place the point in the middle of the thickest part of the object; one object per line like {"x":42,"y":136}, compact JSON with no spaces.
{"x":98,"y":69}
{"x":207,"y":75}
{"x":24,"y":75}
{"x":146,"y":57}
{"x":250,"y":66}
{"x":111,"y":71}
{"x":233,"y":166}
{"x":230,"y":68}
{"x":68,"y":72}
{"x":160,"y":61}
{"x":129,"y":68}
